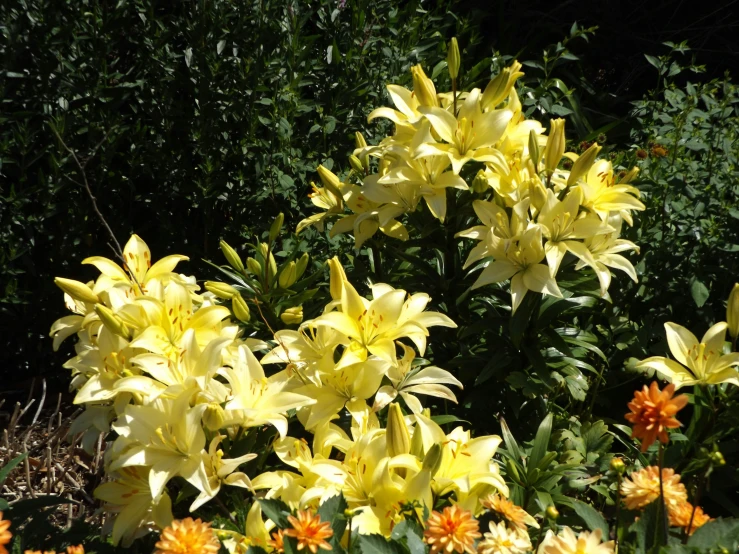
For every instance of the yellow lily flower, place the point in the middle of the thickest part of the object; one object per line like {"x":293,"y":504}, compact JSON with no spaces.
{"x":137,"y":510}
{"x":697,"y":362}
{"x":220,"y":471}
{"x":561,"y":223}
{"x":257,"y":400}
{"x":605,"y":250}
{"x":520,"y":261}
{"x":469,"y":136}
{"x":372,"y":326}
{"x":165,"y":435}
{"x":137,"y":270}
{"x":407,"y":381}
{"x":602,"y":195}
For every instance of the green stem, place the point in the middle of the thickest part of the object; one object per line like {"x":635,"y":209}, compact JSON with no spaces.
{"x":376,"y":260}
{"x":618,"y":513}
{"x":663,"y":509}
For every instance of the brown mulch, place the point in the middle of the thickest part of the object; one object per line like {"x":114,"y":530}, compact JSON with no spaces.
{"x":56,"y":463}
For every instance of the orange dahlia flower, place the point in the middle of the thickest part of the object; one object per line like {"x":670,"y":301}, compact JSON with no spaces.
{"x":310,"y":531}
{"x":680,"y":517}
{"x":187,"y":536}
{"x":653,"y":412}
{"x":453,"y":530}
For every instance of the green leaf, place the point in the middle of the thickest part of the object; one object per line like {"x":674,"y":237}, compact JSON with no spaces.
{"x":541,"y":441}
{"x":719,"y":533}
{"x":7,"y":468}
{"x":591,"y":517}
{"x":412,"y":532}
{"x":332,"y":510}
{"x":377,"y":544}
{"x":510,"y":442}
{"x":276,"y":510}
{"x":446,"y":418}
{"x":699,"y":291}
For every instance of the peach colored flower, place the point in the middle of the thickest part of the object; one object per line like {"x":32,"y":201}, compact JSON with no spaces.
{"x":5,"y":535}
{"x":642,"y":488}
{"x":680,"y":517}
{"x":187,"y":536}
{"x":453,"y":530}
{"x":278,"y":542}
{"x":515,"y":515}
{"x":310,"y":531}
{"x":653,"y":412}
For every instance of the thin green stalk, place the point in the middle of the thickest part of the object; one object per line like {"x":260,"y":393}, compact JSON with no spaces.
{"x":663,"y":509}
{"x":618,"y":513}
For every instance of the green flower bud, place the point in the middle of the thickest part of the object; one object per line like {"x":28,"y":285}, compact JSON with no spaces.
{"x":111,"y":321}
{"x":254,"y":266}
{"x":432,"y":460}
{"x":583,"y":164}
{"x":732,"y":312}
{"x":77,"y":290}
{"x":534,"y":151}
{"x":555,"y":148}
{"x":630,"y":176}
{"x":618,"y":466}
{"x":232,"y":257}
{"x":480,"y":182}
{"x":552,"y":513}
{"x":276,"y":227}
{"x":423,"y":87}
{"x":397,"y":437}
{"x":288,"y":275}
{"x":213,"y":417}
{"x":292,"y":316}
{"x":453,"y":59}
{"x":718,"y":459}
{"x":240,"y":308}
{"x":301,"y":265}
{"x":356,"y":164}
{"x":221,"y":290}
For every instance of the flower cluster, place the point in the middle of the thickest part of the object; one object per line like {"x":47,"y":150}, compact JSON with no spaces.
{"x":532,"y":213}
{"x":166,"y":369}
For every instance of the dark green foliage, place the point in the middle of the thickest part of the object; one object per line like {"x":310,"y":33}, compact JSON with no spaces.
{"x":199,"y":119}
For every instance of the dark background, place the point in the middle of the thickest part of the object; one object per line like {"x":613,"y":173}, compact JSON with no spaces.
{"x":195,"y":153}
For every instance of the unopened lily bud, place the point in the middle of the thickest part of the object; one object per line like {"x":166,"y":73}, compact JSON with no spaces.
{"x":263,"y":249}
{"x":555,"y":148}
{"x":583,"y":163}
{"x":77,"y":290}
{"x":537,"y":194}
{"x":499,"y":88}
{"x":356,"y":164}
{"x":337,"y":278}
{"x":240,"y":308}
{"x":276,"y":227}
{"x":630,"y":176}
{"x":111,"y":321}
{"x":292,"y":316}
{"x":432,"y":460}
{"x":453,"y":59}
{"x":359,"y":142}
{"x":288,"y":275}
{"x":480,"y":182}
{"x":618,"y":466}
{"x":732,"y":312}
{"x":272,"y":266}
{"x":552,"y":513}
{"x":423,"y":87}
{"x":301,"y":265}
{"x":534,"y":151}
{"x":718,"y":459}
{"x":221,"y":290}
{"x":417,"y":442}
{"x":232,"y":257}
{"x":254,"y":266}
{"x":397,"y":437}
{"x":213,"y":417}
{"x":330,"y":180}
